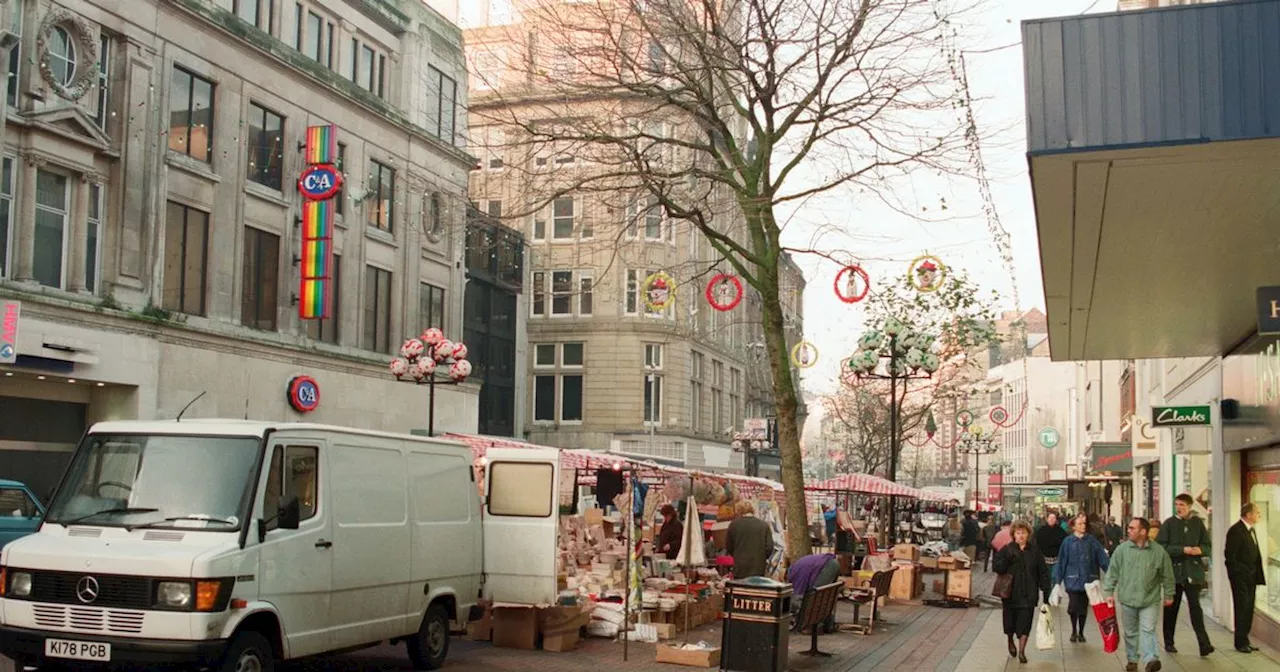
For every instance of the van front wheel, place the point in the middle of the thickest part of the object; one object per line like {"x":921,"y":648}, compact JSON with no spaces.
{"x":428,"y":648}
{"x":248,"y":652}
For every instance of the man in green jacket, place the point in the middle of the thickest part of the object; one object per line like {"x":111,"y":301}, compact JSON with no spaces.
{"x":1185,"y":539}
{"x":1140,"y":579}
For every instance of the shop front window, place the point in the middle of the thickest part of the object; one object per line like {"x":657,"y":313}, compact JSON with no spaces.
{"x":1262,"y":487}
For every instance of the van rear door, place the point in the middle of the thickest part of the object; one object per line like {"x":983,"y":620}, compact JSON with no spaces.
{"x":521,"y":521}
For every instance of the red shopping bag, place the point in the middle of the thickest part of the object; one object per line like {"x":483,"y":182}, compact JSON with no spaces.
{"x":1106,"y":617}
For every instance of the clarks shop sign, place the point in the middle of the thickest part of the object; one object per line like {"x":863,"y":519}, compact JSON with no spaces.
{"x":1179,"y":416}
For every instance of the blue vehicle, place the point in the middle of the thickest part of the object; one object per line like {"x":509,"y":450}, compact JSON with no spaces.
{"x":20,"y":511}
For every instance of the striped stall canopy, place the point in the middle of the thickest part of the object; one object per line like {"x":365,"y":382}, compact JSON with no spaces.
{"x":865,"y":484}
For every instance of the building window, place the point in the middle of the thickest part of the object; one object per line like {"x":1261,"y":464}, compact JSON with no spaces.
{"x":257,"y":13}
{"x":266,"y":147}
{"x":377,"y":310}
{"x":313,"y":36}
{"x":50,"y":236}
{"x":93,"y":239}
{"x":186,"y":258}
{"x":260,"y":280}
{"x":653,"y":356}
{"x":565,"y":287}
{"x":191,"y":115}
{"x":61,"y":55}
{"x":15,"y":57}
{"x":442,"y":96}
{"x":697,"y":419}
{"x":430,"y":306}
{"x":562,"y":218}
{"x":494,"y":208}
{"x":633,"y":302}
{"x":6,"y":216}
{"x":326,"y":329}
{"x":368,"y":68}
{"x":653,"y":398}
{"x":539,"y":293}
{"x":558,"y":385}
{"x":104,"y":80}
{"x":381,"y":194}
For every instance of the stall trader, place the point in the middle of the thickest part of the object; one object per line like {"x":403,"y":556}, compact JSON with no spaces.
{"x":671,"y":534}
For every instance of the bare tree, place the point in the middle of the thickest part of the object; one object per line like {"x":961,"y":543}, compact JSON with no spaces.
{"x":724,"y":116}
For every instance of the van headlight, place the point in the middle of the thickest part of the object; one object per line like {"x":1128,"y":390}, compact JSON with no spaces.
{"x":20,"y":584}
{"x":173,"y":595}
{"x":206,"y":595}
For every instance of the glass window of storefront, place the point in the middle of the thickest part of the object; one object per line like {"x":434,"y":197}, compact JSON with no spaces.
{"x":1262,"y":486}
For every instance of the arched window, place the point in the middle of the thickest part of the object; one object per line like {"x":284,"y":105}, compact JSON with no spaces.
{"x":62,"y":55}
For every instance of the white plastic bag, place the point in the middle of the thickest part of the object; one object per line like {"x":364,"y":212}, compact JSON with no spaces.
{"x":1094,"y":590}
{"x":693,"y":552}
{"x":1045,"y":639}
{"x":1055,"y":598}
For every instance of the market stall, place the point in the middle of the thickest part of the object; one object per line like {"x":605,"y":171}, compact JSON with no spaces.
{"x":612,"y":576}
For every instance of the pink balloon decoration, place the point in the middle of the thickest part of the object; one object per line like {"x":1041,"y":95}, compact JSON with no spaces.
{"x":460,"y":370}
{"x":444,"y":350}
{"x":412,"y":349}
{"x":425,"y":366}
{"x":459,"y":350}
{"x":432,"y":336}
{"x":399,"y":367}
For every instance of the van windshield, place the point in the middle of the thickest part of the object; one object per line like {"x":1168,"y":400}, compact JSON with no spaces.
{"x":158,"y":481}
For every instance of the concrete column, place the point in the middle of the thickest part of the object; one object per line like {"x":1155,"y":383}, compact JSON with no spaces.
{"x":24,"y":225}
{"x":78,"y":231}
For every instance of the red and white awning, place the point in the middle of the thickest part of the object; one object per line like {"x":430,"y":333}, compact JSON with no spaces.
{"x":865,"y":484}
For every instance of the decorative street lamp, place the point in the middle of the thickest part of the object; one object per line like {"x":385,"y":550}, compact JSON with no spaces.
{"x":907,"y":355}
{"x":972,"y":442}
{"x":422,"y":359}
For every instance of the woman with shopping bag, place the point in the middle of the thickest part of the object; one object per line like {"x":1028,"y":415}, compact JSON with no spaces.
{"x":1022,"y":579}
{"x":1081,"y":559}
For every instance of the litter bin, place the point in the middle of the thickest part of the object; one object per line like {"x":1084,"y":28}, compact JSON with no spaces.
{"x":757,"y":622}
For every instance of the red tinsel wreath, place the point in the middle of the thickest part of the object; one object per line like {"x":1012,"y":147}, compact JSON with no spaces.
{"x":715,"y":282}
{"x":866,"y":284}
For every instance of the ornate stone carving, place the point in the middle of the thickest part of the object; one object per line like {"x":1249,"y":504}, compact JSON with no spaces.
{"x":33,"y":158}
{"x":85,"y":43}
{"x":432,"y":215}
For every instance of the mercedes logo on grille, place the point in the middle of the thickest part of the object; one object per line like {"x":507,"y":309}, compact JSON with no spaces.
{"x":87,"y":589}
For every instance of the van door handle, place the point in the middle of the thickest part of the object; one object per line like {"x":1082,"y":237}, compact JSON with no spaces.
{"x":324,"y":544}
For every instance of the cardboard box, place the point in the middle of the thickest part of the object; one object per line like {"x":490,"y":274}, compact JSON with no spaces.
{"x":960,"y":583}
{"x":689,"y":658}
{"x":563,"y":642}
{"x":481,"y":630}
{"x":515,"y":627}
{"x":908,"y":552}
{"x":928,"y":562}
{"x":907,"y":583}
{"x":665,"y":630}
{"x":593,"y":517}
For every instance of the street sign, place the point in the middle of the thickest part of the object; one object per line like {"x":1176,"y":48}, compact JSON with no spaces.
{"x":1051,"y":492}
{"x":10,"y":311}
{"x":1049,"y":437}
{"x":1179,"y":416}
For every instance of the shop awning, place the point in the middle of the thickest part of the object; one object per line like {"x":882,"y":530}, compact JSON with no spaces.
{"x":1156,"y":179}
{"x":865,"y":484}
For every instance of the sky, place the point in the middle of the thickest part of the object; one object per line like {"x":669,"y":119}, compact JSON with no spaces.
{"x":959,"y":236}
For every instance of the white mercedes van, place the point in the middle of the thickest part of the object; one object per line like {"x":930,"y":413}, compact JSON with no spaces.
{"x":230,"y":545}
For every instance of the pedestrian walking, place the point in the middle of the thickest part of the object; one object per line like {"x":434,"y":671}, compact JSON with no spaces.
{"x":1049,"y":538}
{"x":1243,"y":560}
{"x":1184,"y":537}
{"x":988,"y":536}
{"x":1029,"y":581}
{"x":969,"y":535}
{"x":1140,"y":579}
{"x":1082,"y":559}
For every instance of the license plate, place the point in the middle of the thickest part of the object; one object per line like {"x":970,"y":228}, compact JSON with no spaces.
{"x":73,"y":650}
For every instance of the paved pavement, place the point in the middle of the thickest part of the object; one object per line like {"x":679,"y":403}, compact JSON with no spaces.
{"x":912,"y":637}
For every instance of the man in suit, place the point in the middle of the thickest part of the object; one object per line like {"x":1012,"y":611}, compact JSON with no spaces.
{"x":1243,"y":560}
{"x":1186,"y":540}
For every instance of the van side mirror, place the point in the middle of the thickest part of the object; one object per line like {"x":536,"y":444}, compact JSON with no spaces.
{"x":290,"y":515}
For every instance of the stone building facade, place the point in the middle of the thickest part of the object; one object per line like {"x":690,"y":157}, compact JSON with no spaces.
{"x":149,"y":213}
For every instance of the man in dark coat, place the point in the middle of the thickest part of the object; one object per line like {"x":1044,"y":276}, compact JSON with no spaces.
{"x":969,"y":532}
{"x":749,"y":542}
{"x":1243,"y":559}
{"x":1050,"y":537}
{"x":1184,"y":537}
